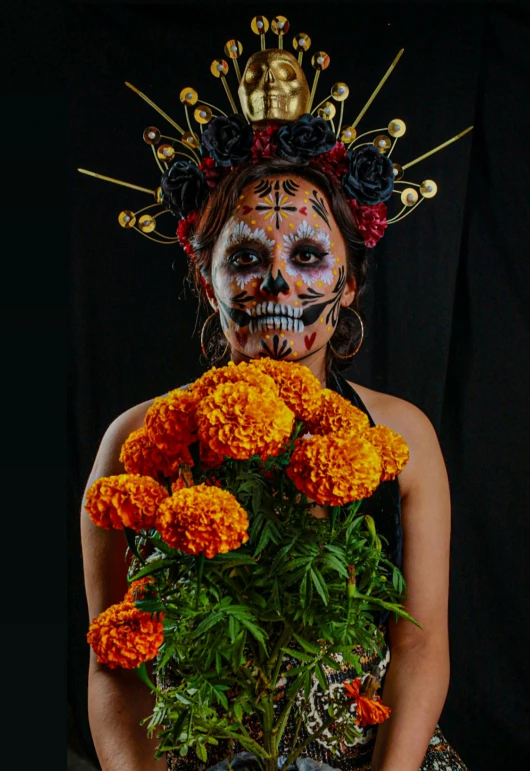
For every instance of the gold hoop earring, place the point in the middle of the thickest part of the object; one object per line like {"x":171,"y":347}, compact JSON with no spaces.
{"x":350,"y":355}
{"x":203,"y":348}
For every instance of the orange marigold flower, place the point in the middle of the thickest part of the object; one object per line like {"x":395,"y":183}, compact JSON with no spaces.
{"x":136,"y":590}
{"x":369,"y":709}
{"x":123,"y":636}
{"x":240,"y":420}
{"x":140,"y":456}
{"x":335,"y":469}
{"x":170,"y":421}
{"x":232,"y":373}
{"x":298,"y":387}
{"x":124,"y":500}
{"x":335,"y":413}
{"x":203,"y":520}
{"x":392,"y":448}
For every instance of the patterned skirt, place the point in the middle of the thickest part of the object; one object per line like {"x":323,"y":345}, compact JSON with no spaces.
{"x":346,"y":756}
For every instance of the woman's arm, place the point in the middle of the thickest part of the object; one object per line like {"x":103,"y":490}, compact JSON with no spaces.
{"x":417,"y":679}
{"x":117,"y":699}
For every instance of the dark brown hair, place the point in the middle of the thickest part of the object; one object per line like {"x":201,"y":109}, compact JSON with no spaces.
{"x":220,"y":206}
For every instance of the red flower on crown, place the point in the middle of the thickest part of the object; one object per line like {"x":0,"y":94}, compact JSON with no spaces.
{"x":185,"y":230}
{"x":263,"y":144}
{"x":371,"y":220}
{"x":334,"y":163}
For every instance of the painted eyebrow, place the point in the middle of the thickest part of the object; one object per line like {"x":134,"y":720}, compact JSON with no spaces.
{"x":304,"y":233}
{"x":242,"y":233}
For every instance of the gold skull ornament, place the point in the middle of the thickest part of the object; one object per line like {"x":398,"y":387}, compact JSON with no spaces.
{"x":273,"y":87}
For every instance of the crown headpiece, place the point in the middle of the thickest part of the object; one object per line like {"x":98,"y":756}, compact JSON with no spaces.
{"x":278,"y":117}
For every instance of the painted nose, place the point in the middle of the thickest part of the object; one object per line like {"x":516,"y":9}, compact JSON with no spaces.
{"x":274,"y":285}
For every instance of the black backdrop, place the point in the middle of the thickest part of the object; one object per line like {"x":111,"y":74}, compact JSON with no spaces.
{"x":447,"y":310}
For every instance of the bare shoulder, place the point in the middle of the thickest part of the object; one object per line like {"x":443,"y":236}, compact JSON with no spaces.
{"x":415,"y":428}
{"x":107,"y":458}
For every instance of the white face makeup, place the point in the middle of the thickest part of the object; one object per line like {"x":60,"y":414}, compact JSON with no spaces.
{"x":279,"y":271}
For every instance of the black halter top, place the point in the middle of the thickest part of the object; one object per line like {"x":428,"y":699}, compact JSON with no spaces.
{"x":384,"y":505}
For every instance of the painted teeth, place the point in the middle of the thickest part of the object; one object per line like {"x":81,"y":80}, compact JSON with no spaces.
{"x":283,"y":323}
{"x":275,"y":309}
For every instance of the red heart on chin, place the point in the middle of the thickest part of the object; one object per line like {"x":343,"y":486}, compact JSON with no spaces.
{"x":309,"y":340}
{"x":246,"y":209}
{"x":303,"y":210}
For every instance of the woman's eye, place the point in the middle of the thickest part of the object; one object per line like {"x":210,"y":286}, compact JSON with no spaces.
{"x":244,"y":258}
{"x":308,"y":255}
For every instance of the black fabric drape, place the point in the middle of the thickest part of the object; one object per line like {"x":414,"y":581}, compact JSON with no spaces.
{"x":447,"y":306}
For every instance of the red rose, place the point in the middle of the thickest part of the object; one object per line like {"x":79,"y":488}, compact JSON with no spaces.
{"x":370,"y":219}
{"x":334,"y":162}
{"x":184,"y":231}
{"x":263,"y":145}
{"x":213,"y":174}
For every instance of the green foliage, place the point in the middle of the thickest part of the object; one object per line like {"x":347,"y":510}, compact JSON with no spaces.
{"x":281,"y":606}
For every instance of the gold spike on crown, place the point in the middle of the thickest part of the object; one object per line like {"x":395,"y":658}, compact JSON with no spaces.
{"x":273,"y":92}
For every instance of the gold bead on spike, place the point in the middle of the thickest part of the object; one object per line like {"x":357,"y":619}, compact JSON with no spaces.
{"x":340,"y":92}
{"x":165,"y":152}
{"x":348,"y":134}
{"x":383,"y":143}
{"x":234,"y":49}
{"x":397,"y":127}
{"x":327,"y":111}
{"x":202,"y":114}
{"x":397,"y":171}
{"x":301,"y":43}
{"x":188,"y":96}
{"x":259,"y":25}
{"x":146,"y":223}
{"x":280,"y":26}
{"x":219,"y":69}
{"x":127,"y":218}
{"x":152,"y":135}
{"x":428,"y":188}
{"x":192,"y":140}
{"x":409,"y":197}
{"x":320,"y":61}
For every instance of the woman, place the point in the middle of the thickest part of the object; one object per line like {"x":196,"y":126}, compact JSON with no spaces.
{"x":278,"y":255}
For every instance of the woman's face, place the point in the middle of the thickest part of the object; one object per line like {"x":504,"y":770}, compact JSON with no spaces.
{"x":279,"y":271}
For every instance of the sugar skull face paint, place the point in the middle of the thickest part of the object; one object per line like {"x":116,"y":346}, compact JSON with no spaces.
{"x":279,"y":271}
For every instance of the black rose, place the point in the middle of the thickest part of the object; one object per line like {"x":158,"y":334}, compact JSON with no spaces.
{"x":370,"y":178}
{"x":184,"y":188}
{"x":227,"y":140}
{"x":304,"y":138}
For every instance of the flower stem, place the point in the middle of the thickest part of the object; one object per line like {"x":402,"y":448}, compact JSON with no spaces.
{"x":199,"y":562}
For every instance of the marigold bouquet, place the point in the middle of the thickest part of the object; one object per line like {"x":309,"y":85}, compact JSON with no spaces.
{"x":235,"y":588}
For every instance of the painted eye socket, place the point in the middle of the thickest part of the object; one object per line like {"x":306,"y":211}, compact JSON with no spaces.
{"x":308,"y":255}
{"x":244,"y":258}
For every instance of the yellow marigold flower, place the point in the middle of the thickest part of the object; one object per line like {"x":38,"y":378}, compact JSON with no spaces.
{"x":123,"y":636}
{"x":232,"y":373}
{"x":170,"y":421}
{"x":140,"y":456}
{"x":298,"y":387}
{"x":203,"y":520}
{"x":136,"y":590}
{"x":129,"y":500}
{"x":335,"y":413}
{"x":392,"y":448}
{"x":335,"y":469}
{"x":240,"y":420}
